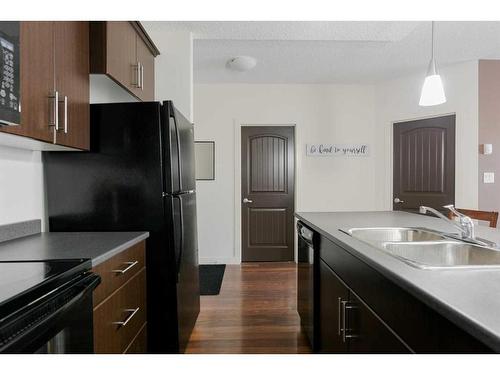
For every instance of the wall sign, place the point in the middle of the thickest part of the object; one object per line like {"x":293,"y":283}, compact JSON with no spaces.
{"x":325,"y":149}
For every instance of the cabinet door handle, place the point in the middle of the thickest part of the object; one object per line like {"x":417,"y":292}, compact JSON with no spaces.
{"x":132,"y":312}
{"x":55,"y":110}
{"x":343,"y":303}
{"x":139,"y":83}
{"x":142,"y":77}
{"x":137,"y":70}
{"x":339,"y":315}
{"x":130,"y":265}
{"x":65,"y":107}
{"x":345,"y":307}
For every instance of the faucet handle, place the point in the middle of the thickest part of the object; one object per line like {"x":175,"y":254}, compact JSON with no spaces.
{"x":454,"y":210}
{"x":461,"y":216}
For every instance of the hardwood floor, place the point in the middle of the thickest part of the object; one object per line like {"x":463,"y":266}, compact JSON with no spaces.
{"x":255,"y":312}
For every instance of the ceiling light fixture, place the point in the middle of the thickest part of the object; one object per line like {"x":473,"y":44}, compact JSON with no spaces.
{"x":241,"y":63}
{"x":432,"y":90}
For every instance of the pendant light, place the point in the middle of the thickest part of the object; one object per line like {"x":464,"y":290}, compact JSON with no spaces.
{"x":432,"y":90}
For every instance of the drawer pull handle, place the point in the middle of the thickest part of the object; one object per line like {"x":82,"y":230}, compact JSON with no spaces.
{"x":129,"y":266}
{"x":129,"y":318}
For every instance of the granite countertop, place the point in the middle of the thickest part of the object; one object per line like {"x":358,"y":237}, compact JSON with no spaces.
{"x":469,"y":298}
{"x":97,"y":246}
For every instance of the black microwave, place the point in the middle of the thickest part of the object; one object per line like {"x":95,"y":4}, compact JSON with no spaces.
{"x":10,"y":104}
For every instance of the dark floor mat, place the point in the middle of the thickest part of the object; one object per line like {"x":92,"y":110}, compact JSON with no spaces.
{"x":211,"y":276}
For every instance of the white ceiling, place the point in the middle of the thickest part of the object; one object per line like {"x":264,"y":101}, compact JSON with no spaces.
{"x":331,"y":52}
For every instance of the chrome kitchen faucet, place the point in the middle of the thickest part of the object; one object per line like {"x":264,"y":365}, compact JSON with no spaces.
{"x":466,"y":225}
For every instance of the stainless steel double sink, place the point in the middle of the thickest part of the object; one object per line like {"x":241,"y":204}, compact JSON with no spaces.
{"x":428,"y":249}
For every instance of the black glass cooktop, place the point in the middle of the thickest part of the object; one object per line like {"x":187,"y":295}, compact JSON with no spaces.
{"x":22,"y":278}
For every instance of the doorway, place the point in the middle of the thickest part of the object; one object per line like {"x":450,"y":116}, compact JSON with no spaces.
{"x":267,"y":193}
{"x":424,"y":163}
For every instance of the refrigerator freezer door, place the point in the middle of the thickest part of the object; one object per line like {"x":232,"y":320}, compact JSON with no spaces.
{"x":188,"y":289}
{"x":178,"y":140}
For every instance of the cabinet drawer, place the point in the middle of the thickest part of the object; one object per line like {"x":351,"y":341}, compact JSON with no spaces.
{"x":117,"y":270}
{"x":139,"y":345}
{"x":119,"y":318}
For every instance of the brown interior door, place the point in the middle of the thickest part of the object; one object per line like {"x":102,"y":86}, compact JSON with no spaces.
{"x":72,"y":82}
{"x":424,"y":163}
{"x":267,"y":192}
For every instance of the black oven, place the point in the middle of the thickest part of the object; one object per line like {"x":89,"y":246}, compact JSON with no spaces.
{"x":46,"y":307}
{"x":10,"y":104}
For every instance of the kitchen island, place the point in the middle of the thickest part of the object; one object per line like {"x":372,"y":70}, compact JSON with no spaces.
{"x":410,"y":309}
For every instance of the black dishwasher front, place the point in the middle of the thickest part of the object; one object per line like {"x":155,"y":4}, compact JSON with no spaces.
{"x":306,"y":284}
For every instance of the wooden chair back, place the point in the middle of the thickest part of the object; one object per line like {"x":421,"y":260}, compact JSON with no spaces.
{"x":490,"y":216}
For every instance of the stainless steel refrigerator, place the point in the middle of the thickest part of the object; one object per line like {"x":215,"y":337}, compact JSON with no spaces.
{"x":138,"y":175}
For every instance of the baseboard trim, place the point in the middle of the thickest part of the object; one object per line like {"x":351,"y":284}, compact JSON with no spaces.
{"x":231,"y":260}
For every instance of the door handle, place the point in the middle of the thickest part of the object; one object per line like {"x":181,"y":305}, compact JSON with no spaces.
{"x":246,"y":200}
{"x":397,"y":200}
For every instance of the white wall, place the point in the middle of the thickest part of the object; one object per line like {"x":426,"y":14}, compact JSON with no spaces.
{"x":104,"y":90}
{"x":329,"y":114}
{"x":321,"y":113}
{"x":397,"y":100}
{"x":21,"y":185}
{"x":174,"y":69}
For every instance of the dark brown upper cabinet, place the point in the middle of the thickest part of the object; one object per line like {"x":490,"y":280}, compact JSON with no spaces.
{"x":54,"y":83}
{"x":123,"y":51}
{"x":147,"y":71}
{"x":72,"y":83}
{"x":37,"y":80}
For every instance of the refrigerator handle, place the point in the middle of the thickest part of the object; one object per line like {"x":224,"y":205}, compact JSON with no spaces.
{"x":179,"y":261}
{"x":179,"y":157}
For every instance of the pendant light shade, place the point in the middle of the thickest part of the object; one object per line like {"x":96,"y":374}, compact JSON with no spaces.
{"x":432,"y":90}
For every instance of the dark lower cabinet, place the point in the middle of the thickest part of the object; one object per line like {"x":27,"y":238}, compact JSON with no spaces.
{"x":368,"y":334}
{"x":346,"y":324}
{"x":362,"y":311}
{"x":332,"y":295}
